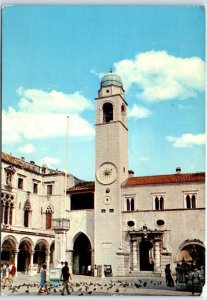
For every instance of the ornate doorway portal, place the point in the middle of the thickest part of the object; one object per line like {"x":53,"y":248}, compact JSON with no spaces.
{"x":146,"y":262}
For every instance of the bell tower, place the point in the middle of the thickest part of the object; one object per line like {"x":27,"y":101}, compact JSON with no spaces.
{"x":111,"y":169}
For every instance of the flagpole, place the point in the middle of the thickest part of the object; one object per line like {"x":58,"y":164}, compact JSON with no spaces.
{"x":66,"y":162}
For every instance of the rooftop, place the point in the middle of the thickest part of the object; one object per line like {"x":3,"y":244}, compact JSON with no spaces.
{"x":165,"y":179}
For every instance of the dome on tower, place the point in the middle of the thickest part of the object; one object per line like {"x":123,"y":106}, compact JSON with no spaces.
{"x":111,"y":79}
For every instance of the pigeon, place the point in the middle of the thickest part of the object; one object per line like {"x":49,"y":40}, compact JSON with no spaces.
{"x":89,"y":293}
{"x":117,"y":290}
{"x":144,"y":284}
{"x":27,"y":291}
{"x":54,"y":290}
{"x":81,"y":294}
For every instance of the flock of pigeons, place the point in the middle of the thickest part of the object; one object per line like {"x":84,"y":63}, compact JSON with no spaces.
{"x":84,"y":288}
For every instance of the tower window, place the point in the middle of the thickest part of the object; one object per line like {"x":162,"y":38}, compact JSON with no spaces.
{"x":107,"y":112}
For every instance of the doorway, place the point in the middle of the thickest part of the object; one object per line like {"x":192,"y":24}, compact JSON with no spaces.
{"x":81,"y":254}
{"x":145,"y":261}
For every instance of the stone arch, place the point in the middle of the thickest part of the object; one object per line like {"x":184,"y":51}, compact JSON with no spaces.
{"x":190,"y":250}
{"x":9,"y":249}
{"x":26,"y":247}
{"x":81,"y":253}
{"x":12,"y":238}
{"x":41,"y":250}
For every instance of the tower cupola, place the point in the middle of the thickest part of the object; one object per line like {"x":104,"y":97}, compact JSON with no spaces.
{"x":111,"y":79}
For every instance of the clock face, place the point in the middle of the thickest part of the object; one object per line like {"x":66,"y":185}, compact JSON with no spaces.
{"x":106,"y":173}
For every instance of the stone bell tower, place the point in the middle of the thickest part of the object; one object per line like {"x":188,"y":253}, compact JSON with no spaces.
{"x":111,"y":169}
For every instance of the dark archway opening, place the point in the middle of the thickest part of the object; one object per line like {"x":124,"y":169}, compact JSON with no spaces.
{"x":107,"y":112}
{"x":23,"y":257}
{"x":81,"y":254}
{"x":145,"y":263}
{"x":40,"y":254}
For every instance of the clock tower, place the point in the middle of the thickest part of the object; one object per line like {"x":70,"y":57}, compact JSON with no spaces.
{"x":111,"y":169}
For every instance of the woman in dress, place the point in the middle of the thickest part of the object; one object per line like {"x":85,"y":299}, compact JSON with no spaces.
{"x":43,"y":281}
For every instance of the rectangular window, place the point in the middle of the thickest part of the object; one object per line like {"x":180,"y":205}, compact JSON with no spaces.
{"x":103,"y":210}
{"x":35,"y":188}
{"x":20,"y":183}
{"x":49,"y":189}
{"x":111,"y":210}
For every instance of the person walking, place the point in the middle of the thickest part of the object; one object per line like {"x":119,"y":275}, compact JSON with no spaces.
{"x":43,"y":281}
{"x":65,"y":275}
{"x":168,"y":276}
{"x":7,"y":276}
{"x":13,"y":272}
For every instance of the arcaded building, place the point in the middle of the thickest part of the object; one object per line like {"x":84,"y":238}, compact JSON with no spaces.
{"x":134,"y":224}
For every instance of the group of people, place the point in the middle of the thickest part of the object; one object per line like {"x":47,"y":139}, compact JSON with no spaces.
{"x":65,"y":277}
{"x":8,"y":272}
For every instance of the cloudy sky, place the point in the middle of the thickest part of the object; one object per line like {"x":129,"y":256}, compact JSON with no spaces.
{"x":54,"y":58}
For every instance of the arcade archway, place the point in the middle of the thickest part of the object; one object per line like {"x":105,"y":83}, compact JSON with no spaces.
{"x":24,"y":255}
{"x":81,"y":254}
{"x":8,"y":250}
{"x":40,"y":253}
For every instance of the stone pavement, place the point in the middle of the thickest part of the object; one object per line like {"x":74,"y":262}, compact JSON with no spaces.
{"x":25,"y":284}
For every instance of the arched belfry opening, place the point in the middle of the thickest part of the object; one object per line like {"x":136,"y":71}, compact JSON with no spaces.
{"x":107,"y":112}
{"x":81,"y":254}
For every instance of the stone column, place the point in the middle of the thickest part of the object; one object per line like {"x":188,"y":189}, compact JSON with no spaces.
{"x":69,"y":258}
{"x":31,"y":261}
{"x":48,"y":259}
{"x":157,"y":255}
{"x":120,"y":263}
{"x":15,"y":258}
{"x":134,"y":254}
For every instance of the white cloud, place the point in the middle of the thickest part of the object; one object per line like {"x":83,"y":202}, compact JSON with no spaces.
{"x":28,"y":148}
{"x":49,"y":161}
{"x":34,"y":100}
{"x":138,"y":112}
{"x":186,"y":140}
{"x":161,"y":76}
{"x":44,"y":115}
{"x":41,"y":125}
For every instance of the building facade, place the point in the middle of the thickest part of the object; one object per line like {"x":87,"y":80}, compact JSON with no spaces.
{"x":135,"y":225}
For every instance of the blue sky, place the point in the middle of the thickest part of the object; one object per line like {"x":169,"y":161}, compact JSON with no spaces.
{"x":54,"y":58}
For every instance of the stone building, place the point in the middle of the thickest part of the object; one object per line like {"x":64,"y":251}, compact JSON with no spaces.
{"x":136,"y":225}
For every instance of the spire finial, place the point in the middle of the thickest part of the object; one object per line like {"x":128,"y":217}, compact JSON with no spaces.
{"x":110,"y":71}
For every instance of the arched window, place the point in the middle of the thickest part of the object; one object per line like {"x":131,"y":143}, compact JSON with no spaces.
{"x":6,"y":210}
{"x":128,"y":205}
{"x":132,"y":204}
{"x":11,"y":213}
{"x":156,"y":203}
{"x":193,"y":201}
{"x":27,"y":211}
{"x":161,"y":203}
{"x":7,"y":206}
{"x":107,"y":112}
{"x":188,"y":201}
